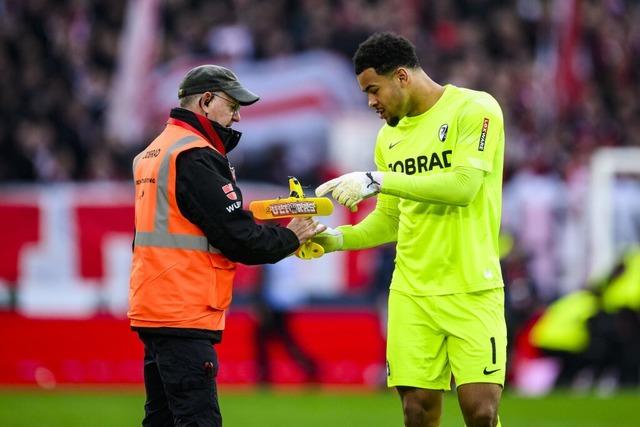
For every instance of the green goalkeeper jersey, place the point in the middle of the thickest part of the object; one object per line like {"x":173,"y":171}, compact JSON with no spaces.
{"x":442,"y":248}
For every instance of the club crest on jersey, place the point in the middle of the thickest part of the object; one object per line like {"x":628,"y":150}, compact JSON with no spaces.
{"x":442,"y":133}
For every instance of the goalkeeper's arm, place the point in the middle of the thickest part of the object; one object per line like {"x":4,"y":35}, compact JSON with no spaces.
{"x":458,"y":187}
{"x":379,"y":227}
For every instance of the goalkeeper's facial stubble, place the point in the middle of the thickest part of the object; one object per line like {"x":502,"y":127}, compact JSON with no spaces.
{"x":386,"y":94}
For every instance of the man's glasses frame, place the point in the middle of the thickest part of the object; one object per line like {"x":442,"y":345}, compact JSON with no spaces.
{"x":235,"y":105}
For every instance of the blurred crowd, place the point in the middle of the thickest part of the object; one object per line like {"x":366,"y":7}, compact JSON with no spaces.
{"x":57,"y":59}
{"x":566,"y":73}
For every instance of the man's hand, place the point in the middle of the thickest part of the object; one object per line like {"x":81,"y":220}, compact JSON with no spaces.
{"x":350,"y":189}
{"x":305,"y":228}
{"x":329,"y":240}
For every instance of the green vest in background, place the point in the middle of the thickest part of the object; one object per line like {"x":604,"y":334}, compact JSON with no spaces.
{"x":563,"y":326}
{"x":624,"y":290}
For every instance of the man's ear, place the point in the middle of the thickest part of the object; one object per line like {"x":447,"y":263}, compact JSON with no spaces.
{"x":402,"y":74}
{"x":207,"y":100}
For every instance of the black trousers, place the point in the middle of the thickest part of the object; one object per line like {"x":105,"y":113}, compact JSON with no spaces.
{"x":179,"y":378}
{"x":274,"y":324}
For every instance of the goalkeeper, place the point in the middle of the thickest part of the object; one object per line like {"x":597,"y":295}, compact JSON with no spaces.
{"x":439,"y":159}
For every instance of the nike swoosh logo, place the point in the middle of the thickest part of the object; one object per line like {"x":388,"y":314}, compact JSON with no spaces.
{"x":489,"y":372}
{"x":394,"y":144}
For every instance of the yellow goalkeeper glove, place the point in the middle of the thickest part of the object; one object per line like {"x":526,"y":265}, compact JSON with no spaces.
{"x":328,"y":241}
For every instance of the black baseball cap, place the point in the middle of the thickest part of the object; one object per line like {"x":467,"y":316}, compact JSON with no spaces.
{"x":211,"y":78}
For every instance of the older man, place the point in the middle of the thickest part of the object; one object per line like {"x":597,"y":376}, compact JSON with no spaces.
{"x":190,"y":231}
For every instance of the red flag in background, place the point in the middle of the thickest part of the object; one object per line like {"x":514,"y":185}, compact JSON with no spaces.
{"x":137,"y":59}
{"x":568,"y":74}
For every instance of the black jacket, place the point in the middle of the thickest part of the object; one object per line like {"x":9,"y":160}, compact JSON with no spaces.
{"x":208,"y":196}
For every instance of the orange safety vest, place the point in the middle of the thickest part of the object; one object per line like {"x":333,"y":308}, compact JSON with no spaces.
{"x":178,"y":280}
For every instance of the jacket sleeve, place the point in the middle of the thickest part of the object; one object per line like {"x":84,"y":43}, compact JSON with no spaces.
{"x":208,"y":196}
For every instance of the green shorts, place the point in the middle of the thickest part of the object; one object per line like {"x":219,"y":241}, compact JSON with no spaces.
{"x":431,"y":337}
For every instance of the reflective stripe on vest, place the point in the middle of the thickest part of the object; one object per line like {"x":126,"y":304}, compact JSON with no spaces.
{"x":160,"y":236}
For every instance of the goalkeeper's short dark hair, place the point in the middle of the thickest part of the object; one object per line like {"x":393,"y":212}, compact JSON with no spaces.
{"x":384,"y":52}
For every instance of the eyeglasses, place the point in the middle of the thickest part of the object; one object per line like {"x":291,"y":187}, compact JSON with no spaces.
{"x":235,"y":106}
